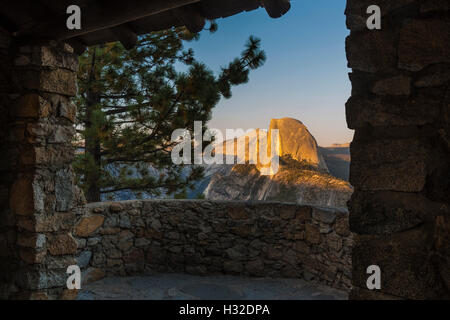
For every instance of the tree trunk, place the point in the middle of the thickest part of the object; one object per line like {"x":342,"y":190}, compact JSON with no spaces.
{"x":92,"y":141}
{"x":93,"y":175}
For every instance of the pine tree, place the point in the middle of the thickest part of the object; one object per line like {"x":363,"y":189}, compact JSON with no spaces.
{"x":130,"y":102}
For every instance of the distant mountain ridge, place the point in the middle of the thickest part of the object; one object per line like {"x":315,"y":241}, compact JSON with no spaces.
{"x":337,"y":158}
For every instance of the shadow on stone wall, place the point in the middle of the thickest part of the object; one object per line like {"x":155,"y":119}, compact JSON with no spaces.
{"x":207,"y":237}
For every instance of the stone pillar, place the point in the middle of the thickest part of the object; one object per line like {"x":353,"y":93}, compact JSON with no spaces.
{"x":400,"y":109}
{"x":37,"y":193}
{"x":8,"y":255}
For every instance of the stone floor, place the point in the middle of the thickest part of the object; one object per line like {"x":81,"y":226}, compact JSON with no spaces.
{"x":187,"y":287}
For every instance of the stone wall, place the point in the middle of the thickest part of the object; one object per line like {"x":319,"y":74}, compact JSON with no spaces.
{"x":8,"y":255}
{"x":37,"y":195}
{"x":211,"y":237}
{"x":400,"y":109}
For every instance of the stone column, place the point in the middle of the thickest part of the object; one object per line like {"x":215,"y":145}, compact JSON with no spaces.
{"x":8,"y":255}
{"x":400,"y":108}
{"x":37,"y":193}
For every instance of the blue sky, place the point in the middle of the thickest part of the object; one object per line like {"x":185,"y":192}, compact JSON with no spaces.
{"x":305,"y":76}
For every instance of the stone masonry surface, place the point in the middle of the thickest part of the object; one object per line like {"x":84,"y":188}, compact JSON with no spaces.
{"x":211,"y":237}
{"x":400,"y":169}
{"x":222,"y":287}
{"x":37,"y":192}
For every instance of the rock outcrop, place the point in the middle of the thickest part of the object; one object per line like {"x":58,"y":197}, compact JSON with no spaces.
{"x":297,"y":142}
{"x":303,"y":175}
{"x":290,"y":184}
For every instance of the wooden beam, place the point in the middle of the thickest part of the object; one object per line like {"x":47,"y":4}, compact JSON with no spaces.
{"x":61,"y":5}
{"x":96,"y":17}
{"x":277,"y":8}
{"x":125,"y":35}
{"x":214,"y":9}
{"x":78,"y":46}
{"x":191,"y":18}
{"x":21,"y":14}
{"x":7,"y":25}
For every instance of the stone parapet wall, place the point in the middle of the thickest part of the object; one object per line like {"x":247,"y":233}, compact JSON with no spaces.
{"x":209,"y":237}
{"x":400,"y":110}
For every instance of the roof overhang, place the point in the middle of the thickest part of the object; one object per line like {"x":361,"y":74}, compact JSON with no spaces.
{"x":119,"y":20}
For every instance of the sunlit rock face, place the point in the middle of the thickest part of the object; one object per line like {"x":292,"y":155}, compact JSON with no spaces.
{"x":240,"y":149}
{"x":303,"y":175}
{"x":294,"y":141}
{"x":297,"y":142}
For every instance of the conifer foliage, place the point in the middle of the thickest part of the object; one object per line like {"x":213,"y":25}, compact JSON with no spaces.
{"x":129,"y":103}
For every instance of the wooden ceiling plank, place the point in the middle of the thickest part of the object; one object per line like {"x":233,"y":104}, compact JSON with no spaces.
{"x":213,"y":9}
{"x":78,"y":45}
{"x":277,"y":8}
{"x":96,"y":17}
{"x":17,"y":13}
{"x":60,"y":6}
{"x":7,"y":25}
{"x":160,"y":21}
{"x":40,"y":20}
{"x":191,"y":18}
{"x":125,"y":35}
